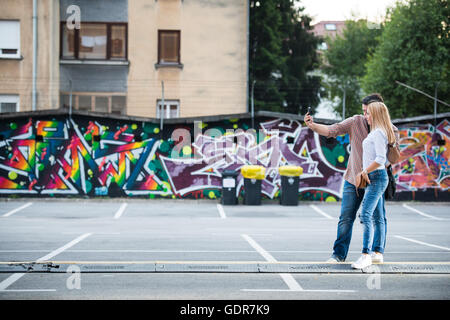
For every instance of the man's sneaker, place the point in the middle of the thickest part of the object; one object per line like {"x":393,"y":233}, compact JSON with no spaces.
{"x":363,"y":262}
{"x":332,"y":260}
{"x":376,"y":257}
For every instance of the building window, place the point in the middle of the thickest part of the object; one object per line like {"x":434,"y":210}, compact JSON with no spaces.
{"x":94,"y":41}
{"x":9,"y":39}
{"x":171,"y":109}
{"x":168,"y":47}
{"x":95,"y":102}
{"x":9,"y":103}
{"x":322,"y":46}
{"x":118,"y":104}
{"x":330,"y":27}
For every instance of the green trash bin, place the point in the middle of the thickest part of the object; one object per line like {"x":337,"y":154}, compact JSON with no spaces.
{"x":290,"y":178}
{"x":253,"y":177}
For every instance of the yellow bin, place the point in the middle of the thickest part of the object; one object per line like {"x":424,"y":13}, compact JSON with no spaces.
{"x":290,"y":171}
{"x":289,"y":184}
{"x":253,"y":178}
{"x":253,"y":172}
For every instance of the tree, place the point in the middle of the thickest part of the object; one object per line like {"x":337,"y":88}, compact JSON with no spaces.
{"x":414,"y":49}
{"x":282,"y":51}
{"x":344,"y":63}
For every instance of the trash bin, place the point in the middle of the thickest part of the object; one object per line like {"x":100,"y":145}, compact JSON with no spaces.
{"x":290,"y":177}
{"x":253,"y":177}
{"x":229,"y":187}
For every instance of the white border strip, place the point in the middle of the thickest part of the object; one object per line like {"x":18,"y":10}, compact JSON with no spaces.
{"x":315,"y":208}
{"x":18,"y":209}
{"x":421,"y":213}
{"x":423,"y":243}
{"x":16,"y":276}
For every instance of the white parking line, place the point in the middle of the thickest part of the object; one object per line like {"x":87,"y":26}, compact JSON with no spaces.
{"x":421,"y":213}
{"x":287,"y":278}
{"x":16,"y":276}
{"x":120,"y":211}
{"x":221,"y":211}
{"x":293,"y":285}
{"x":321,"y":212}
{"x":423,"y":243}
{"x":18,"y":209}
{"x":29,"y":290}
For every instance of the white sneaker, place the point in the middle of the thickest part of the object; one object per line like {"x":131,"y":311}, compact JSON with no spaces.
{"x":363,"y":262}
{"x":376,"y":257}
{"x":332,"y":260}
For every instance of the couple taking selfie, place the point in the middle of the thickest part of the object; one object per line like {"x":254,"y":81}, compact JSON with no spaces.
{"x":369,"y":135}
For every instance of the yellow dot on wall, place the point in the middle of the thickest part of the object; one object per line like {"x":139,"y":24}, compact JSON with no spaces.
{"x":330,"y":199}
{"x":134,"y":126}
{"x":156,"y":130}
{"x":341,"y":158}
{"x":12,"y":175}
{"x":235,"y":126}
{"x":187,"y":150}
{"x":211,"y":194}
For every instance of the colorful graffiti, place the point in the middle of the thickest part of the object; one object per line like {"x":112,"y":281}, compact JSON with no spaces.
{"x":94,"y":157}
{"x":424,"y":161}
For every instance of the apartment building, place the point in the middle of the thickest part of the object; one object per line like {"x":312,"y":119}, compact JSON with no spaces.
{"x":151,"y":58}
{"x":16,"y":55}
{"x":329,"y":29}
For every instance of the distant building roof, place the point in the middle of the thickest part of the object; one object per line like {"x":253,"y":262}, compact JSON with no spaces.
{"x":328,"y":28}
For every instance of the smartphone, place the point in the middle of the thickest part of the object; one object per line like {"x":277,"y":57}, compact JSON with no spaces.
{"x":309,"y":111}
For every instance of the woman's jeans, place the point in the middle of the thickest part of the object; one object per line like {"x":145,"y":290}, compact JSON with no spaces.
{"x":373,"y":221}
{"x":351,"y":202}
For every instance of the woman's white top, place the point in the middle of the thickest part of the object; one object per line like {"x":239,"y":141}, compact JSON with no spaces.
{"x":375,"y":149}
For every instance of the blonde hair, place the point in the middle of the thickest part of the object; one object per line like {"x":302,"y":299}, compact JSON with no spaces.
{"x":381,"y":119}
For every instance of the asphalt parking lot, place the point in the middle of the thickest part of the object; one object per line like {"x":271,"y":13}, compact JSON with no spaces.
{"x":189,"y":249}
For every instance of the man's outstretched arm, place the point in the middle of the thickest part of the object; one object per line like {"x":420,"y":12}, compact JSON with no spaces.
{"x":331,"y":131}
{"x":316,"y":127}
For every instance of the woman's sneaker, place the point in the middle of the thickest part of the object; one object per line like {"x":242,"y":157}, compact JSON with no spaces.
{"x":363,"y":262}
{"x":376,"y":257}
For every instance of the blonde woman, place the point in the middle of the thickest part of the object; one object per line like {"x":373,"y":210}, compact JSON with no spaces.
{"x":375,"y":148}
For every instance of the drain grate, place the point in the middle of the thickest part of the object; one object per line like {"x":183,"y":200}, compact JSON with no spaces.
{"x":220,"y":267}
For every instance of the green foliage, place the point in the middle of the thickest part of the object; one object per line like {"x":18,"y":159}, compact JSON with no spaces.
{"x":282,"y":51}
{"x":414,"y":49}
{"x":345,"y":62}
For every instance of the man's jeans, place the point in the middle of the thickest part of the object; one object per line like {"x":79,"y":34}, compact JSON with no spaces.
{"x":349,"y":207}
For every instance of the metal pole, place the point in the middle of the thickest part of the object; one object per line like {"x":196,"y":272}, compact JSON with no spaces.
{"x":253,"y":104}
{"x":248,"y":52}
{"x":70,"y":99}
{"x":33,"y":94}
{"x":343,"y":105}
{"x":162,"y":108}
{"x":435,"y":105}
{"x":425,"y":94}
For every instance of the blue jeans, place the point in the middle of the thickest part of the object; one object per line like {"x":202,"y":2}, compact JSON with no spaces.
{"x":373,"y":220}
{"x":351,"y":202}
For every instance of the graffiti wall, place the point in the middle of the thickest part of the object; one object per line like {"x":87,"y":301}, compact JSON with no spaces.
{"x":86,"y":156}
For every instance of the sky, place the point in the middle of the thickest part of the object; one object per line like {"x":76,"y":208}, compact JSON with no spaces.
{"x":320,"y":10}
